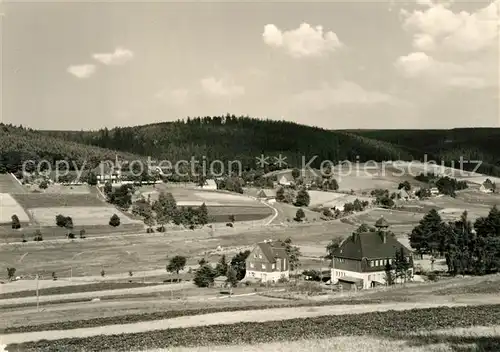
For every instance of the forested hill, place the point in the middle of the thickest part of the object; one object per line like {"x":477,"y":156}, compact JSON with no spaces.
{"x":18,"y":145}
{"x":229,"y":138}
{"x":470,"y":143}
{"x":237,"y":138}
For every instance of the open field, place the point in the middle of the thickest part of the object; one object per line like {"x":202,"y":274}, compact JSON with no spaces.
{"x":49,"y":200}
{"x":67,"y":189}
{"x":8,"y":235}
{"x":152,"y":249}
{"x":220,"y":204}
{"x":8,"y":207}
{"x":99,"y":286}
{"x":445,"y":340}
{"x":8,"y":184}
{"x":394,"y":217}
{"x":142,"y":307}
{"x":332,"y":199}
{"x":378,"y":320}
{"x":82,"y":216}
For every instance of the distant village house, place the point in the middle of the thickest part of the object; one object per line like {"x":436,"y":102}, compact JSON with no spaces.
{"x":267,"y":195}
{"x":487,"y":186}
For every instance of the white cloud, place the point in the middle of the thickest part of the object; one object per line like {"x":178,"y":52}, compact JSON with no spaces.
{"x":221,"y":87}
{"x":305,"y":41}
{"x":118,"y":57}
{"x":82,"y":71}
{"x":468,"y":75}
{"x":461,"y":32}
{"x":452,"y":48}
{"x":345,"y":93}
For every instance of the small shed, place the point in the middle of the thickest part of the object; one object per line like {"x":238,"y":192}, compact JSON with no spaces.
{"x":220,"y":281}
{"x":351,"y":283}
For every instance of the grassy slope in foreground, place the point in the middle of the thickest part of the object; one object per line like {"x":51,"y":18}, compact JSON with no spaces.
{"x":391,"y":324}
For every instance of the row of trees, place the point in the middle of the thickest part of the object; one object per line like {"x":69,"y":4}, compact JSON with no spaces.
{"x":288,"y":195}
{"x":446,"y":185}
{"x":164,"y":211}
{"x":468,"y":248}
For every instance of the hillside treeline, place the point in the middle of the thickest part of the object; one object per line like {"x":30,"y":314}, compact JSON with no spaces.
{"x":237,"y":138}
{"x":467,"y":143}
{"x":18,"y":145}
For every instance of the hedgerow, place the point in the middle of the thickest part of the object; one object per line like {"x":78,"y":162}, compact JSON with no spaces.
{"x":390,"y":324}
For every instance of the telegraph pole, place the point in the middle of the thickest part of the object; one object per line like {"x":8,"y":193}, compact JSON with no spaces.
{"x":37,"y":295}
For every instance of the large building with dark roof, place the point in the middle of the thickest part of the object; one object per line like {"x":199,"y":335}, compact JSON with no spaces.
{"x":361,"y":259}
{"x":268,"y":262}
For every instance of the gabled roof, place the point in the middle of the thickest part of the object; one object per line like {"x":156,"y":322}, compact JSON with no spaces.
{"x":266,"y":193}
{"x":488,"y":185}
{"x":369,"y":245}
{"x":382,"y":222}
{"x":402,"y":193}
{"x":273,"y":250}
{"x":210,"y":182}
{"x":286,"y":177}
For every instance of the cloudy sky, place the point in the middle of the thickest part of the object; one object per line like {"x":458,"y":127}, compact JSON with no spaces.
{"x":336,"y":65}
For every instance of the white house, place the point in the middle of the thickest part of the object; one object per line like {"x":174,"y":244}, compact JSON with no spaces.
{"x":487,"y":187}
{"x":210,"y":185}
{"x":267,"y":195}
{"x":285,"y":180}
{"x":268,"y":262}
{"x":434,"y":191}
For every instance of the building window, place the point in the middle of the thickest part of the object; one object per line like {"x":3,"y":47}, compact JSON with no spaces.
{"x":260,"y":256}
{"x":255,"y":255}
{"x":274,"y":266}
{"x":252,"y":265}
{"x":390,"y":261}
{"x":263,"y":266}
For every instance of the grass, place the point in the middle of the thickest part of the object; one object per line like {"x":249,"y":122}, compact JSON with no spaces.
{"x":394,"y":217}
{"x":423,"y":343}
{"x":152,"y":249}
{"x":8,"y":235}
{"x":81,"y":215}
{"x":99,"y":286}
{"x":9,"y":185}
{"x":10,"y":207}
{"x":49,"y":200}
{"x":390,"y":325}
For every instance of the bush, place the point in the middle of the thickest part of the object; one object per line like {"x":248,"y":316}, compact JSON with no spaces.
{"x":38,"y":236}
{"x":54,"y":276}
{"x":103,"y":273}
{"x":82,"y":233}
{"x":60,"y":220}
{"x":16,"y":224}
{"x":114,"y":220}
{"x":229,"y":224}
{"x":43,"y":185}
{"x":71,"y":235}
{"x":10,"y":273}
{"x":432,"y":276}
{"x":204,"y":276}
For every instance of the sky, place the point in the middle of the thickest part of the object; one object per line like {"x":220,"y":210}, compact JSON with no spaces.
{"x":336,"y":65}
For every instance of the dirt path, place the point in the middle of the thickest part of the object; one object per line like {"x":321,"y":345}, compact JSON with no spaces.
{"x":95,"y":294}
{"x":217,"y":318}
